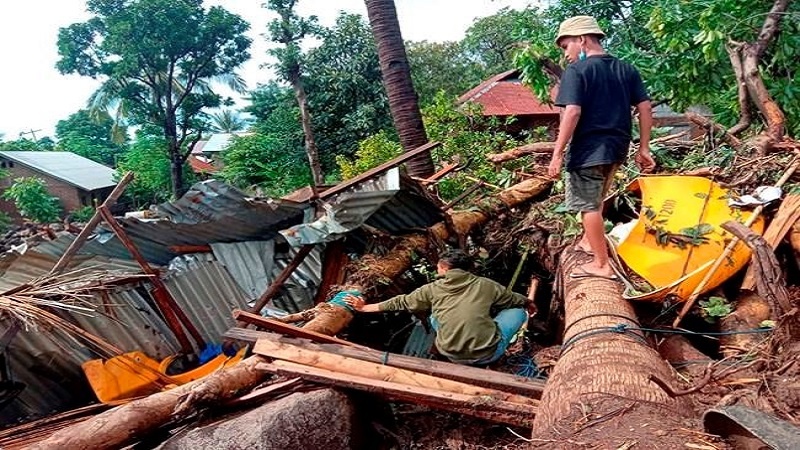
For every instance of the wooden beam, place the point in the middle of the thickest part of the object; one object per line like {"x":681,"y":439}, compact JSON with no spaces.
{"x":76,"y":244}
{"x":489,"y":409}
{"x":184,"y":249}
{"x":479,"y":377}
{"x":276,"y":285}
{"x":355,"y":367}
{"x":166,"y":304}
{"x":341,"y":187}
{"x":788,"y":214}
{"x":282,"y":328}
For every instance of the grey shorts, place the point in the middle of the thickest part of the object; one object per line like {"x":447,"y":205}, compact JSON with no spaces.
{"x":587,"y":187}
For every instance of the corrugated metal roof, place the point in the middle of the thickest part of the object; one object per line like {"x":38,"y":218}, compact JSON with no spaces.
{"x":48,"y":362}
{"x":254,"y":266}
{"x":207,"y":294}
{"x":389,"y":202}
{"x":210,"y":212}
{"x":20,"y":269}
{"x":68,"y":167}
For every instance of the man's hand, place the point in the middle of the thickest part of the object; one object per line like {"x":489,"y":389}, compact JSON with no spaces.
{"x":356,"y":303}
{"x":554,"y":169}
{"x":645,"y":160}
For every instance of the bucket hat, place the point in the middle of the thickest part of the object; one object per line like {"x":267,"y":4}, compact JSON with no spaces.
{"x":578,"y":26}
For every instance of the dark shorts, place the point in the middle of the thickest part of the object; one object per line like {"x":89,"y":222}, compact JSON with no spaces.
{"x":587,"y":187}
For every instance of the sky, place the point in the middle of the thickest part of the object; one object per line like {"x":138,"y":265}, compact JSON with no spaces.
{"x":34,"y":96}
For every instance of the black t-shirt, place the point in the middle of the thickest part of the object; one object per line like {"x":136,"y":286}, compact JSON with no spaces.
{"x":605,"y":88}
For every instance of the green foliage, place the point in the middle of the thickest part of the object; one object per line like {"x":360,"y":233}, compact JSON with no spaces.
{"x":156,"y":59}
{"x":345,"y":89}
{"x":288,"y":30}
{"x":444,"y":67}
{"x":148,"y":160}
{"x":91,"y":135}
{"x":32,"y":200}
{"x":83,"y":214}
{"x":680,"y":48}
{"x":715,"y":308}
{"x":28,"y":145}
{"x":493,"y":40}
{"x":371,"y":152}
{"x":228,"y":121}
{"x":469,"y":137}
{"x":271,"y":162}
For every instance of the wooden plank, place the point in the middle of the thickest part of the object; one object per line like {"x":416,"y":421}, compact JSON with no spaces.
{"x":788,"y":214}
{"x":173,"y":314}
{"x":341,"y":187}
{"x":356,"y":367}
{"x":489,"y":409}
{"x":282,"y":328}
{"x":480,"y":377}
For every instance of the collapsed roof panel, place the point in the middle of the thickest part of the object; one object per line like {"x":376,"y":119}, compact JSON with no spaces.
{"x":388,"y":201}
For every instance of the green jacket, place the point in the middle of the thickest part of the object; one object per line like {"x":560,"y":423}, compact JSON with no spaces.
{"x":464,"y":305}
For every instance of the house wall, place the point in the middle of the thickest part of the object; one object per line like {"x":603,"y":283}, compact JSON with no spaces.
{"x":70,"y":197}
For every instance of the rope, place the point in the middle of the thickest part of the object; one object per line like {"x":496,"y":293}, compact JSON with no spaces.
{"x":617,"y":329}
{"x":622,"y":328}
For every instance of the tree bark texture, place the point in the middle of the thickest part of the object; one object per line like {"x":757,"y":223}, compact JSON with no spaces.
{"x":129,"y":422}
{"x":396,"y":72}
{"x":518,"y":152}
{"x":599,"y":366}
{"x":308,"y":132}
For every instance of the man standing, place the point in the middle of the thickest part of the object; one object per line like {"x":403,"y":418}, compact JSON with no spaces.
{"x":475,"y":318}
{"x":596,"y":93}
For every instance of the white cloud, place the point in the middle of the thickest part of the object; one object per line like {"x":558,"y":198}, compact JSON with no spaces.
{"x":35,"y":96}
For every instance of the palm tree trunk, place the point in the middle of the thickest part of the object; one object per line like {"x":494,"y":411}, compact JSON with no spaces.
{"x":403,"y":101}
{"x":600,"y":368}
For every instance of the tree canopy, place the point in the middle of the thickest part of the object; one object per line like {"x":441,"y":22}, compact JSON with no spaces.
{"x":91,"y":135}
{"x":156,"y":59}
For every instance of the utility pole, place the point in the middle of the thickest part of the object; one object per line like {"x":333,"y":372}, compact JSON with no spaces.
{"x":32,"y":132}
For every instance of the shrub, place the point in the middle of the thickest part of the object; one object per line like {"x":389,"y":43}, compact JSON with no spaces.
{"x":32,"y":200}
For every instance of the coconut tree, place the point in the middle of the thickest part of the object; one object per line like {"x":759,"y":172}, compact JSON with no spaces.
{"x":403,"y":101}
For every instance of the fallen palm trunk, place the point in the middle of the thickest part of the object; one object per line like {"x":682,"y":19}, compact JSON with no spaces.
{"x":477,"y":406}
{"x":479,"y":377}
{"x":371,"y":272}
{"x":127,"y":423}
{"x":605,"y":359}
{"x":347,"y":367}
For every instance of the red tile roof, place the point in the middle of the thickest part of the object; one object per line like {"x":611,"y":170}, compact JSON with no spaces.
{"x":200,"y":166}
{"x":505,"y":95}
